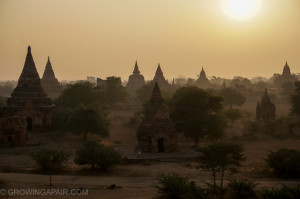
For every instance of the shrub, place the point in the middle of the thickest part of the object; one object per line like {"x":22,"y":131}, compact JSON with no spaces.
{"x":284,"y":192}
{"x":285,"y":163}
{"x":173,"y":186}
{"x":97,"y":155}
{"x":242,"y":188}
{"x":50,"y":161}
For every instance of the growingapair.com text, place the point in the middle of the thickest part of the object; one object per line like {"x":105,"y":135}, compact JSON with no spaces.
{"x":44,"y":192}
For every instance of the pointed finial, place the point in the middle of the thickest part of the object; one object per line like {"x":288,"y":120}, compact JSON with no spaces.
{"x":136,"y":68}
{"x":29,"y":49}
{"x":48,"y":59}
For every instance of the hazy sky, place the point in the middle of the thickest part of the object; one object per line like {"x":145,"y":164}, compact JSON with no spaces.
{"x":104,"y":38}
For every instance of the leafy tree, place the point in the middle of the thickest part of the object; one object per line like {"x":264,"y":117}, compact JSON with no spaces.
{"x":50,"y":161}
{"x":295,"y":101}
{"x":232,"y":97}
{"x":2,"y":101}
{"x":145,"y":92}
{"x":233,"y":115}
{"x":196,"y":113}
{"x":285,"y":163}
{"x":97,"y":155}
{"x":219,"y":157}
{"x":114,"y":91}
{"x":79,"y":93}
{"x":84,"y":120}
{"x":287,"y":89}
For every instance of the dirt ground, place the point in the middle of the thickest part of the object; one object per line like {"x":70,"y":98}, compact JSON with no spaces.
{"x":133,"y":181}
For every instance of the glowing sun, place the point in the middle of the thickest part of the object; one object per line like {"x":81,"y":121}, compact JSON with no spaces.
{"x":241,"y":9}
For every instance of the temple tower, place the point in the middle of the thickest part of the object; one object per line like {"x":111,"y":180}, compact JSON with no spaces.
{"x":135,"y":81}
{"x":49,"y":82}
{"x":160,"y":79}
{"x":29,"y":100}
{"x":202,"y":81}
{"x":157,"y":132}
{"x":265,"y":109}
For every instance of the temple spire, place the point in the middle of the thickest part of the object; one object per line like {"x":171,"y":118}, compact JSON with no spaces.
{"x":136,"y":68}
{"x":156,"y":94}
{"x":48,"y":72}
{"x":29,"y":72}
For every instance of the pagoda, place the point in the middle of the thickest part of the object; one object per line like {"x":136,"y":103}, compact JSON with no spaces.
{"x":49,"y":82}
{"x":135,"y":81}
{"x":160,"y":79}
{"x":157,"y":131}
{"x":29,"y":100}
{"x":265,"y":109}
{"x":202,"y":81}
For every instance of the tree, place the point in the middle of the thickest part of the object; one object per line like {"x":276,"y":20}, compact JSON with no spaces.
{"x":197,"y":114}
{"x":144,"y":93}
{"x":50,"y":161}
{"x":84,"y":120}
{"x":295,"y":101}
{"x":287,"y":89}
{"x":285,"y":163}
{"x":233,"y":115}
{"x":232,"y":97}
{"x":97,"y":155}
{"x":219,"y":157}
{"x":80,"y":93}
{"x":114,"y":91}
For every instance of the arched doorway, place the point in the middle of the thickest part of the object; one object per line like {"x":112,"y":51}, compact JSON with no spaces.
{"x":160,"y":145}
{"x":29,"y":123}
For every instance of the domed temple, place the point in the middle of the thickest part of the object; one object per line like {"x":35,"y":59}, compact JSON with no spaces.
{"x":49,"y":82}
{"x":157,"y":132}
{"x":29,"y":100}
{"x":286,"y":75}
{"x":202,"y":81}
{"x":265,"y":109}
{"x":135,"y":81}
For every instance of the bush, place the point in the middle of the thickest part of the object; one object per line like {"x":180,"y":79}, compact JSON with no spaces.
{"x":242,"y":188}
{"x":285,"y":163}
{"x":284,"y":192}
{"x":97,"y":155}
{"x":173,"y":186}
{"x":50,"y":160}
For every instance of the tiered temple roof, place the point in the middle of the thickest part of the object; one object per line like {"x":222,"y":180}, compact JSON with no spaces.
{"x":50,"y":82}
{"x":157,"y":132}
{"x":28,"y":99}
{"x":160,"y":79}
{"x":265,"y":109}
{"x":202,"y":81}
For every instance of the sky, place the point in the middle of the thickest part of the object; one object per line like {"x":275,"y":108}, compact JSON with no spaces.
{"x":105,"y":37}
